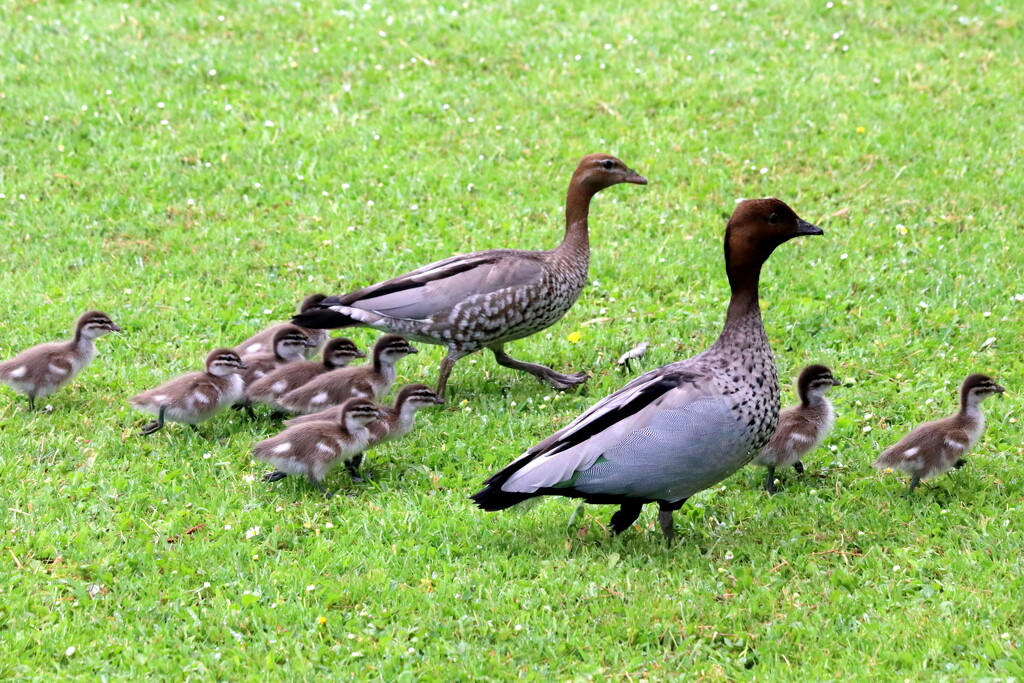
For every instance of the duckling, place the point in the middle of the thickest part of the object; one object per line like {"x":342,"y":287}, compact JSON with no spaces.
{"x":486,"y":299}
{"x":935,"y":447}
{"x":41,"y":370}
{"x":338,"y":353}
{"x":314,"y":448}
{"x":290,"y":345}
{"x":801,"y":428}
{"x":680,"y":428}
{"x":398,"y":419}
{"x":332,"y":388}
{"x":196,"y":396}
{"x":263,"y":341}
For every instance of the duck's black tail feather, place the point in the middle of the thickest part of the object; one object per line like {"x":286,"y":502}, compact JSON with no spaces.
{"x":322,"y":318}
{"x":491,"y":498}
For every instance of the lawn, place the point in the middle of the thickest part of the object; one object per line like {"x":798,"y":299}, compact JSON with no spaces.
{"x":193,"y":169}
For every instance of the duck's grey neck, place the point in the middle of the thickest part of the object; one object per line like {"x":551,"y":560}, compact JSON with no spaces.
{"x":82,"y":344}
{"x":385,"y":368}
{"x":354,"y":427}
{"x":812,"y":399}
{"x":577,"y":210}
{"x":971,"y":409}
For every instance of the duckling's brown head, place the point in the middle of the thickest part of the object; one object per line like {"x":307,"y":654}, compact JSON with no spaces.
{"x":290,"y":342}
{"x":976,"y":388}
{"x":598,"y":171}
{"x":418,"y":396}
{"x":311,"y":301}
{"x":94,"y":324}
{"x":340,"y":351}
{"x":815,"y":380}
{"x":756,"y":228}
{"x":360,"y":411}
{"x":223,"y":362}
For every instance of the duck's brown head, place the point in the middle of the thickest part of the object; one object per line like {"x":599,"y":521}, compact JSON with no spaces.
{"x":595,"y":172}
{"x":756,"y":228}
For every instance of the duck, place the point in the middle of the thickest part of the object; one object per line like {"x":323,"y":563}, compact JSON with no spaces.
{"x":263,"y":341}
{"x":334,"y":387}
{"x":802,"y":427}
{"x":398,"y":419}
{"x":338,"y":353}
{"x":486,"y":299}
{"x":680,"y":428}
{"x":196,"y":396}
{"x":41,"y":370}
{"x":935,"y":447}
{"x":314,"y":448}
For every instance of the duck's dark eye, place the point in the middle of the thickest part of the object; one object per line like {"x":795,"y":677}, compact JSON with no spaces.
{"x":608,"y":163}
{"x":773,"y":218}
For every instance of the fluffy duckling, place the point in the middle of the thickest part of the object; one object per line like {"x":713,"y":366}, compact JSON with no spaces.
{"x":935,"y":447}
{"x":801,"y":428}
{"x":680,"y":428}
{"x":314,"y":448}
{"x":196,"y":396}
{"x":338,"y":353}
{"x":398,"y":419}
{"x":41,"y":370}
{"x":334,"y":387}
{"x":290,"y":345}
{"x":263,"y":341}
{"x":486,"y":299}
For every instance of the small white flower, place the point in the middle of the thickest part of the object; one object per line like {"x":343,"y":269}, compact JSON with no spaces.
{"x":70,"y":651}
{"x":268,"y":124}
{"x":160,"y":105}
{"x":227,"y":527}
{"x":252,"y":531}
{"x":843,"y":257}
{"x":310,"y":588}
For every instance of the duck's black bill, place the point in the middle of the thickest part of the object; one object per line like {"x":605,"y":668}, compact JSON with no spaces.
{"x":805,"y":228}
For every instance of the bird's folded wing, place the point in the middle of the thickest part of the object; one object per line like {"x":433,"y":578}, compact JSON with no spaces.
{"x":614,"y":424}
{"x":441,"y":286}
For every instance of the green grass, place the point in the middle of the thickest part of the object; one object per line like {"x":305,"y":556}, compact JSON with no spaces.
{"x":193,"y":169}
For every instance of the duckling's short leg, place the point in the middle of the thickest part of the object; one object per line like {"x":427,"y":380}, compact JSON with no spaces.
{"x":156,"y":425}
{"x":276,"y":475}
{"x":195,"y":428}
{"x":959,"y":463}
{"x":249,"y":411}
{"x":446,"y":368}
{"x":913,"y":484}
{"x":353,"y":467}
{"x":769,"y":481}
{"x":31,"y":403}
{"x":543,"y":373}
{"x":320,"y":486}
{"x":626,"y":515}
{"x":799,"y":467}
